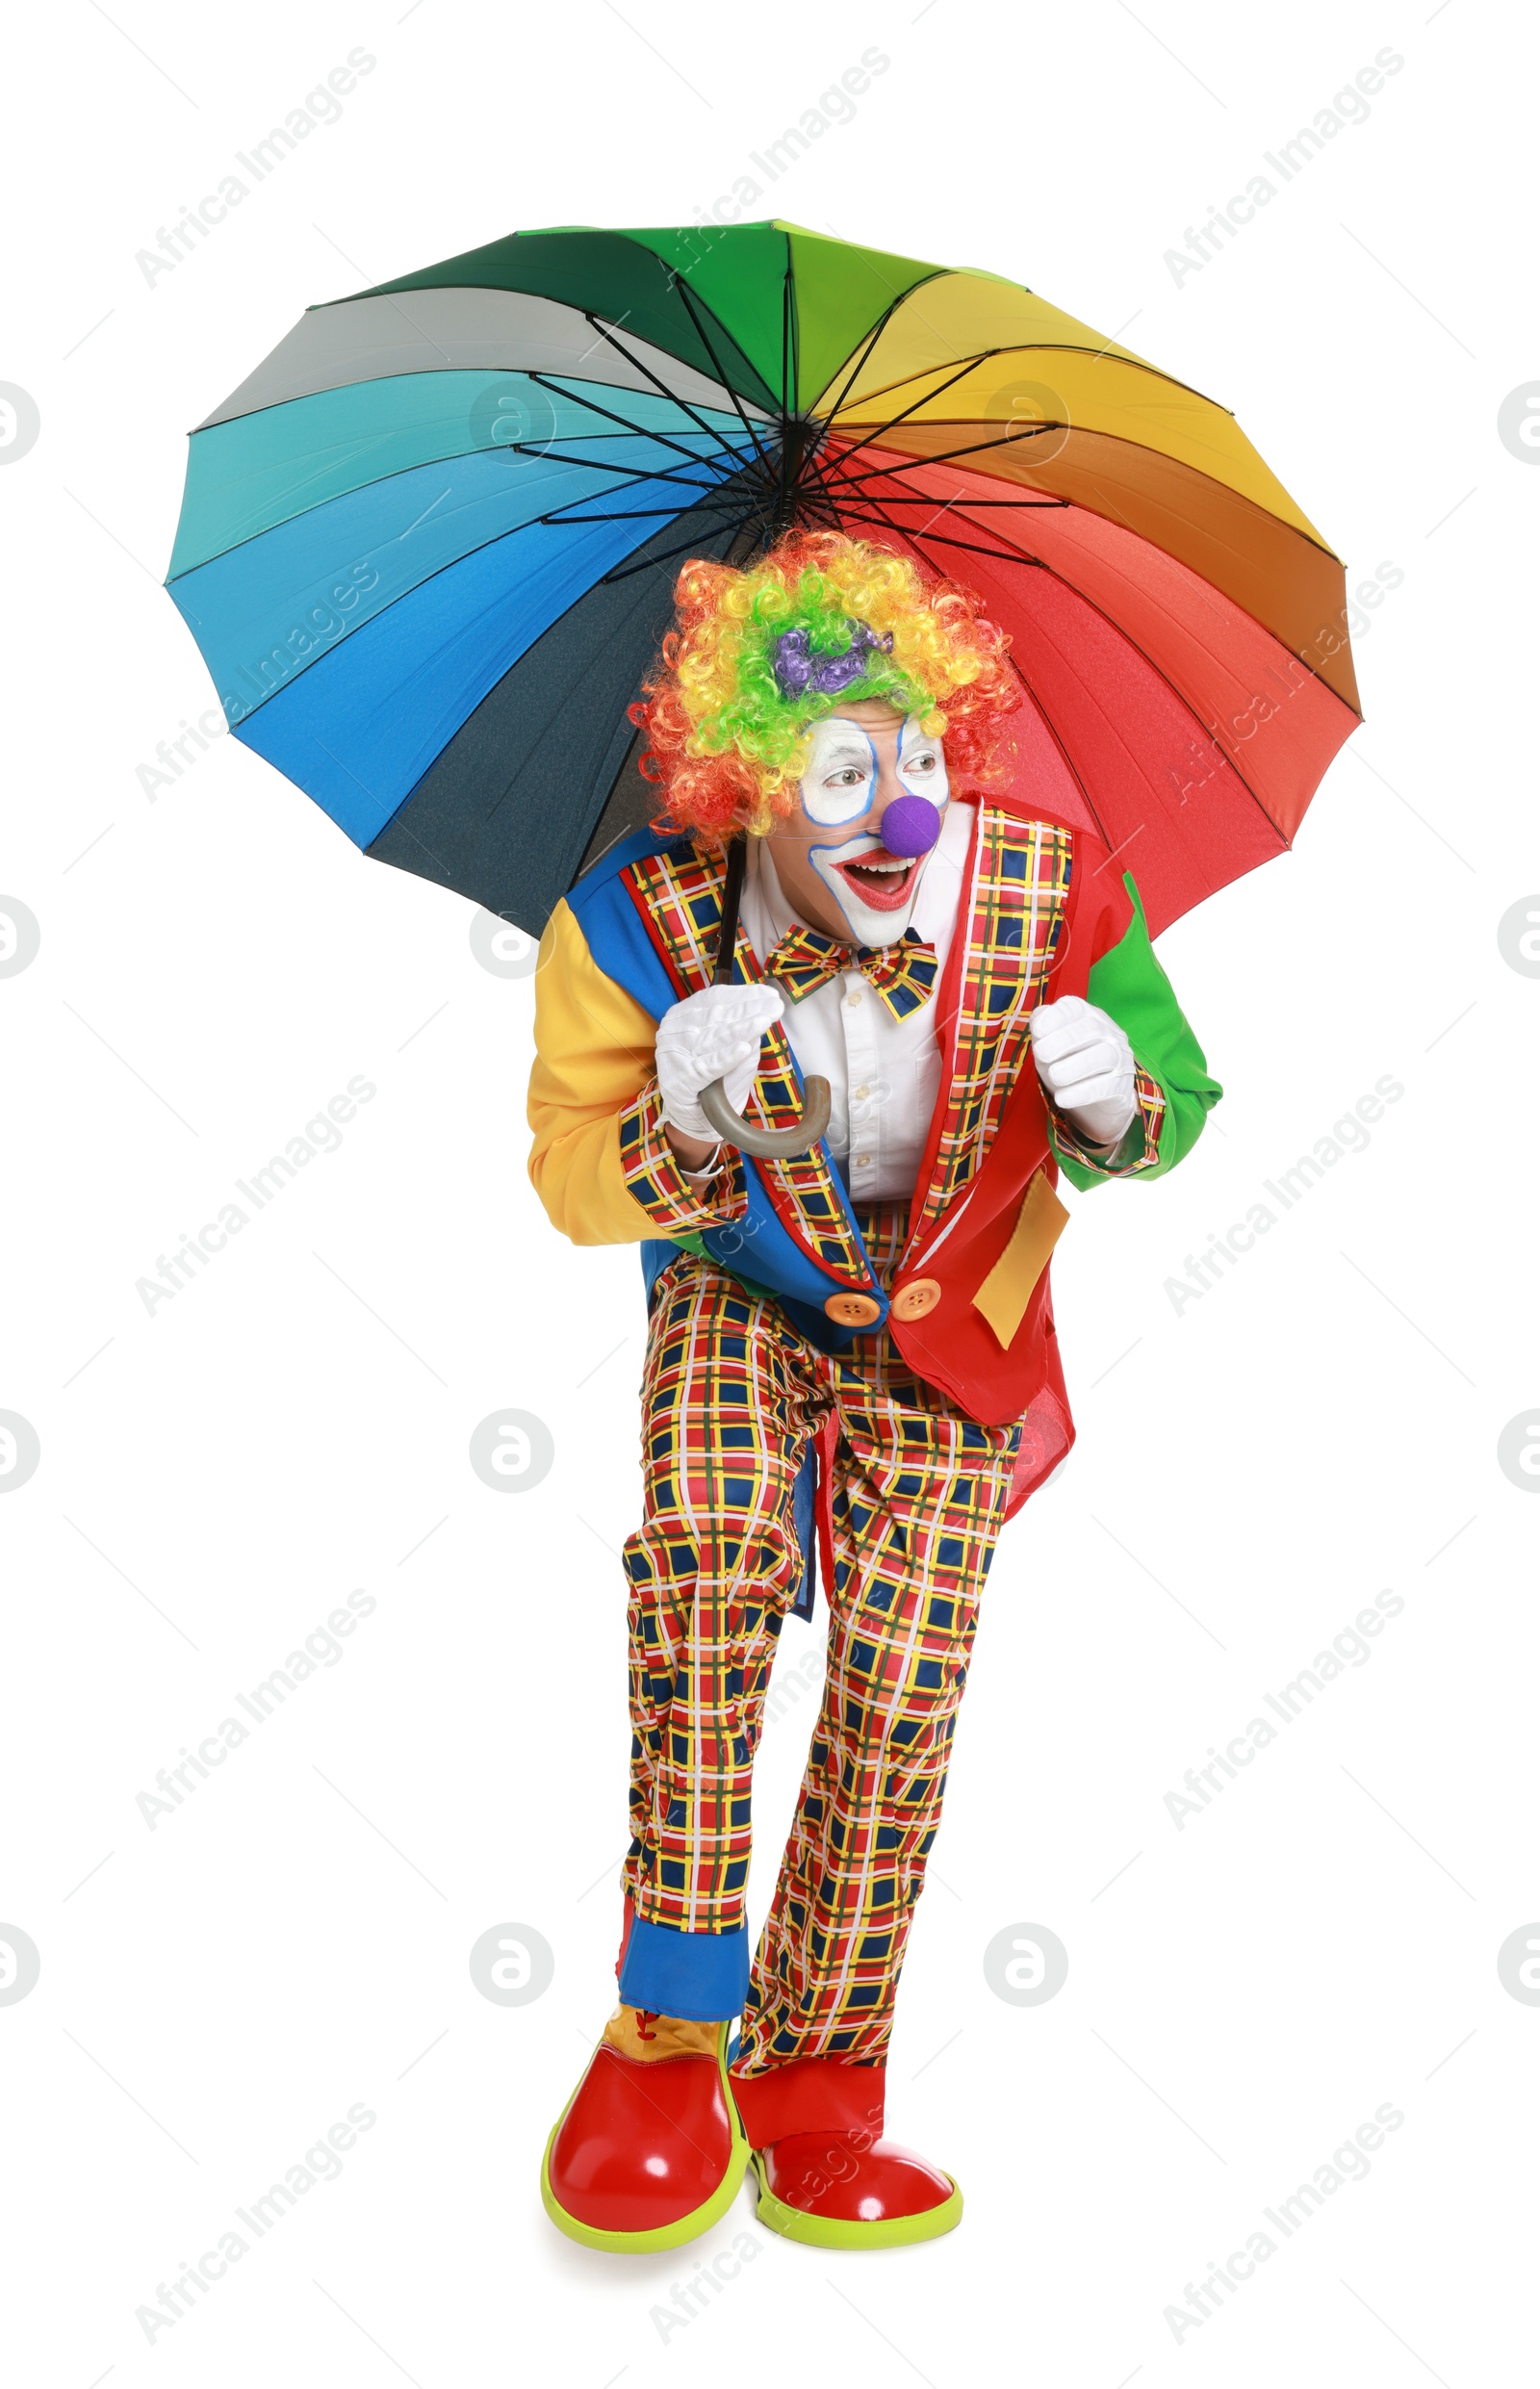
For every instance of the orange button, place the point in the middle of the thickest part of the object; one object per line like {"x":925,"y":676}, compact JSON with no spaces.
{"x":851,"y":1310}
{"x":913,"y":1301}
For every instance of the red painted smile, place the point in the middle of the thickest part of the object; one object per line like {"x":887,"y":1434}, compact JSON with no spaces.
{"x":882,"y":881}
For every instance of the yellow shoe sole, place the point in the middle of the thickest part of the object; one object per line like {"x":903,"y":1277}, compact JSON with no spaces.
{"x":833,"y":2231}
{"x":667,"y":2235}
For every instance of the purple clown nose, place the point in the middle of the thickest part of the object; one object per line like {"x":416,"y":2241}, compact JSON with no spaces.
{"x":910,"y":826}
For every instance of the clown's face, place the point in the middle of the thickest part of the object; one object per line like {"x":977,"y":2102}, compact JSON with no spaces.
{"x":830,"y":857}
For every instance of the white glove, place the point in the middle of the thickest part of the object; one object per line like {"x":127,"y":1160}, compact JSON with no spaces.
{"x":713,"y":1034}
{"x":1084,"y":1062}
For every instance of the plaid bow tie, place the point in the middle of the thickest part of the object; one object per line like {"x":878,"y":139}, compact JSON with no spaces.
{"x":903,"y":974}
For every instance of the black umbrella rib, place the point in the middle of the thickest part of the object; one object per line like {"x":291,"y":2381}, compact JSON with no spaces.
{"x":966,"y":365}
{"x":814,"y":500}
{"x":925,"y":498}
{"x":811,"y":484}
{"x":1040,"y":709}
{"x":642,"y":367}
{"x":1186,"y":704}
{"x":561,"y":521}
{"x":1065,"y":756}
{"x":970,"y":365}
{"x":924,"y":400}
{"x":1012,"y":556}
{"x":1179,"y":695}
{"x":877,"y":331}
{"x":662,"y":386}
{"x":822,"y":498}
{"x":1071,"y":348}
{"x":998,"y":555}
{"x":647,"y":562}
{"x":593,"y":464}
{"x":716,"y":501}
{"x":700,"y":333}
{"x":976,"y":447}
{"x":880,"y":514}
{"x":641,"y":430}
{"x":969,"y":547}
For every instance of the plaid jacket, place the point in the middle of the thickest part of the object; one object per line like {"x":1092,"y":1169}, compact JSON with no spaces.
{"x":968,"y":1306}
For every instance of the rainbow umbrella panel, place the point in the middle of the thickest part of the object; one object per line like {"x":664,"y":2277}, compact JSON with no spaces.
{"x":426,"y":549}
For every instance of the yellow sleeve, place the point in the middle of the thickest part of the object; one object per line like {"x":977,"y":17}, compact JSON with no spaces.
{"x":593,"y":1057}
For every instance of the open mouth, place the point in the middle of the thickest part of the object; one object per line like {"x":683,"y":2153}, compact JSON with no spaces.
{"x":883,"y":880}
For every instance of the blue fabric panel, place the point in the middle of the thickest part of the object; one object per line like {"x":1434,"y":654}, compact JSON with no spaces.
{"x":245,"y":476}
{"x":612,"y":927}
{"x":758,"y":1246}
{"x":810,"y":1320}
{"x":657,"y":1254}
{"x":268,"y":611}
{"x":703,"y":1976}
{"x":804,"y":1500}
{"x":359,"y":730}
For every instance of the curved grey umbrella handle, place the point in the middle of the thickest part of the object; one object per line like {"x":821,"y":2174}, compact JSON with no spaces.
{"x":777,"y":1145}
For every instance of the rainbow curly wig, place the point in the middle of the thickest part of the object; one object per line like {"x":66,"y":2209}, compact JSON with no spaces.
{"x":761,"y":656}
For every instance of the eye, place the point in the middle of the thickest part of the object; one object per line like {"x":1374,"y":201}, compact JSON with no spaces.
{"x":851,"y":776}
{"x":923,"y":762}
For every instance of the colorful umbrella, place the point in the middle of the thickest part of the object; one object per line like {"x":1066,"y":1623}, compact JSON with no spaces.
{"x":426,"y":549}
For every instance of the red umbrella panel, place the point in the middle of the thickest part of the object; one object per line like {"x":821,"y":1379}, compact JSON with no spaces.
{"x":1160,"y":712}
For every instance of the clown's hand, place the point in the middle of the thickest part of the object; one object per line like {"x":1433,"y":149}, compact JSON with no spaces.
{"x":713,"y":1034}
{"x":1086,"y":1065}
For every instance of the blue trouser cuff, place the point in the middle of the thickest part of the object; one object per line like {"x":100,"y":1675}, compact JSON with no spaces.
{"x":702,"y":1976}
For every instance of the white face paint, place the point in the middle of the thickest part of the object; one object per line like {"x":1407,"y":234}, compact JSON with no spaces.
{"x":840,"y":779}
{"x":841,"y":774}
{"x":923,"y":764}
{"x":883,"y":920}
{"x":840,"y":785}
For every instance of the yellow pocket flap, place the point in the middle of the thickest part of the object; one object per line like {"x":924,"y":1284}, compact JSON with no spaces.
{"x":1006,"y":1292}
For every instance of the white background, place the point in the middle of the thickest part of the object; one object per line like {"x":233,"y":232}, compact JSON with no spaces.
{"x":1253,"y":1469}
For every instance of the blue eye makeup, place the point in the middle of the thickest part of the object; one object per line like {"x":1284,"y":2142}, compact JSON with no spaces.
{"x":840,"y":776}
{"x":922,"y":766}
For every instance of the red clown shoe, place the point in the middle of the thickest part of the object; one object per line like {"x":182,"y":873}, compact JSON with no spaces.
{"x":648,"y":2152}
{"x":844,"y":2189}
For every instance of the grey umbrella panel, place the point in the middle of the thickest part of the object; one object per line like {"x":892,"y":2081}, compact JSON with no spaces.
{"x":456,"y":330}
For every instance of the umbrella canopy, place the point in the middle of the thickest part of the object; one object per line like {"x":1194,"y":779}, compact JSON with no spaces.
{"x":427,"y":548}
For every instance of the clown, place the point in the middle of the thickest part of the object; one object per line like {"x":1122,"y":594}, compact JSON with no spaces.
{"x":850,"y":1350}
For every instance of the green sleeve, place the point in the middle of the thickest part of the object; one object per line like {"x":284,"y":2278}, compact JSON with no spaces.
{"x":1129,"y":983}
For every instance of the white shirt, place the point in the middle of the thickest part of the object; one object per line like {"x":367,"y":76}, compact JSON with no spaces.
{"x":883,"y":1074}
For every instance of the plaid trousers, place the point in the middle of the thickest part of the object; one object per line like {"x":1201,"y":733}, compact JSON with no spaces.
{"x":732,"y":1393}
